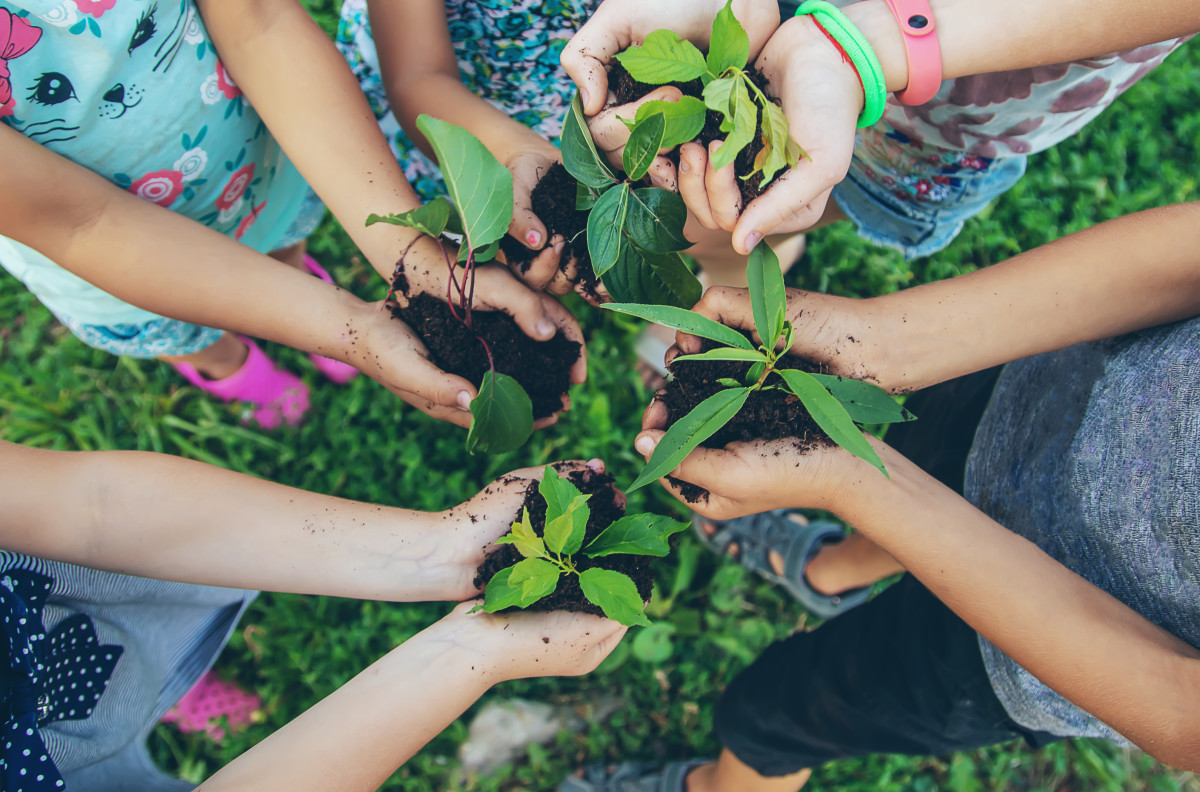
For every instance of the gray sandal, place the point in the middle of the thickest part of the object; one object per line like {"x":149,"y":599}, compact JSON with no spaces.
{"x":756,"y":535}
{"x":632,"y":777}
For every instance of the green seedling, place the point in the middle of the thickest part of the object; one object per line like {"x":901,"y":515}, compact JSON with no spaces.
{"x":480,"y":209}
{"x":558,"y":551}
{"x":836,"y":404}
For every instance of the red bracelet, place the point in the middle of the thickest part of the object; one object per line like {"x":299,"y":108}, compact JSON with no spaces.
{"x":921,"y":50}
{"x":841,"y":50}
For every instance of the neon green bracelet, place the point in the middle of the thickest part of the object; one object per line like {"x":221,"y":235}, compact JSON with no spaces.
{"x":842,"y":32}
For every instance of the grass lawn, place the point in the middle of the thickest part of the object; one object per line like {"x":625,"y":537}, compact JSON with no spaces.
{"x":711,"y":619}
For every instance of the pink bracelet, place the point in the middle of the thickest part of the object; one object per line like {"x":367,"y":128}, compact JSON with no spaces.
{"x":921,"y":50}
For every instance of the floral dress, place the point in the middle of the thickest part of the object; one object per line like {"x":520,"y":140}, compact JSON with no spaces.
{"x":507,"y":53}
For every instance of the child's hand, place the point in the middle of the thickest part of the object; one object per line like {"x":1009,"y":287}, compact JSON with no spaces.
{"x":532,"y":644}
{"x":610,"y":134}
{"x":473,"y":526}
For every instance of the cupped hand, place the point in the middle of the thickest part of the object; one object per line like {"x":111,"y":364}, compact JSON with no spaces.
{"x":533,"y":644}
{"x":528,"y":166}
{"x":617,"y":25}
{"x":822,"y":98}
{"x":611,"y":134}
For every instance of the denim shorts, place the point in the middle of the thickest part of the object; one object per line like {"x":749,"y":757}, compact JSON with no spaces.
{"x":164,"y":336}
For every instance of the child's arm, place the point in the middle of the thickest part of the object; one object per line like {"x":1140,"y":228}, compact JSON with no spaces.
{"x":163,"y":517}
{"x":420,"y":73}
{"x":354,"y":739}
{"x":1123,"y":275}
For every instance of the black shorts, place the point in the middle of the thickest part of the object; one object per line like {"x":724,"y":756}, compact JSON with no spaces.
{"x":899,"y":674}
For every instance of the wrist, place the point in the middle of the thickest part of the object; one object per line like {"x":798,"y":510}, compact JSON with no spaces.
{"x":875,"y":21}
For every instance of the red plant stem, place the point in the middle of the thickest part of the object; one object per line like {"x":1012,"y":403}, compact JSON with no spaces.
{"x":452,"y":285}
{"x":469,"y":280}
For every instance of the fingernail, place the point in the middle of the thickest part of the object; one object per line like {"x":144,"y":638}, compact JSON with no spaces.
{"x":545,"y":328}
{"x":644,"y":444}
{"x":596,"y":465}
{"x":533,"y":239}
{"x":583,"y":96}
{"x":464,"y":401}
{"x":558,"y":247}
{"x":684,"y":165}
{"x":752,"y":239}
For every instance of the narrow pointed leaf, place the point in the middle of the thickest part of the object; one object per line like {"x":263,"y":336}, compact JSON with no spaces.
{"x":580,"y":156}
{"x":605,"y":222}
{"x":831,"y":416}
{"x":779,"y":150}
{"x":768,"y":296}
{"x":866,"y":403}
{"x":726,"y":353}
{"x":535,"y":577}
{"x":690,"y":431}
{"x":501,"y":415}
{"x":478,"y":184}
{"x":662,"y":58}
{"x":687,"y":321}
{"x":499,"y":594}
{"x":428,"y":219}
{"x":742,"y":118}
{"x":684,"y":119}
{"x":655,"y":220}
{"x":636,"y":534}
{"x":615,"y":594}
{"x":643,"y":145}
{"x":730,"y":45}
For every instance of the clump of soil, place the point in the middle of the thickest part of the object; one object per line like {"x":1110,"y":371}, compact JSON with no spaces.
{"x":553,"y":201}
{"x":543,"y":368}
{"x":605,"y":510}
{"x":626,"y":90}
{"x":769,"y":414}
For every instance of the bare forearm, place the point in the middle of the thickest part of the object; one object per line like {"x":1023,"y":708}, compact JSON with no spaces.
{"x":1124,"y":275}
{"x":175,"y":519}
{"x":1077,"y":639}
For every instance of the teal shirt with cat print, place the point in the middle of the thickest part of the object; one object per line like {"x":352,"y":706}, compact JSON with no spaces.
{"x":134,"y":91}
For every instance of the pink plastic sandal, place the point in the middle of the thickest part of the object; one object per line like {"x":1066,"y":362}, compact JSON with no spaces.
{"x":209,"y":701}
{"x":334,"y":370}
{"x":278,"y":396}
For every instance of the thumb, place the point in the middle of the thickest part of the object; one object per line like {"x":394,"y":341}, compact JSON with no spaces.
{"x":525,"y":227}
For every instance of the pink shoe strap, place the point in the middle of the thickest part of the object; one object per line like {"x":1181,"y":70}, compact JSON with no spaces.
{"x":312,"y":266}
{"x":257,"y":381}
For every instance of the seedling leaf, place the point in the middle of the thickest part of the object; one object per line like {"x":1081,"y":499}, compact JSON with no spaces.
{"x":580,"y":156}
{"x":615,"y":594}
{"x":480,"y":187}
{"x":687,"y":321}
{"x":429,"y":219}
{"x":768,"y":296}
{"x":831,"y":416}
{"x":535,"y":577}
{"x":663,"y":58}
{"x":742,"y":119}
{"x":651,"y":278}
{"x":604,"y":234}
{"x":730,"y":46}
{"x":643,"y":145}
{"x":866,"y":403}
{"x":725,"y":353}
{"x":779,"y":150}
{"x":655,"y":220}
{"x":690,"y":431}
{"x":585,"y":197}
{"x":717,"y":98}
{"x":499,"y":594}
{"x":524,"y":538}
{"x":501,"y":415}
{"x":564,"y":533}
{"x":481,"y":256}
{"x":684,"y":119}
{"x":636,"y":534}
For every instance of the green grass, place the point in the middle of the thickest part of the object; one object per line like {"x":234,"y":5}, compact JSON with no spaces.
{"x":360,"y":442}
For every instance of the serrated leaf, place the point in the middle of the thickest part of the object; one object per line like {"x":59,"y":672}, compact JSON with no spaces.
{"x":499,"y":594}
{"x":615,"y":594}
{"x":730,"y":45}
{"x":655,"y":220}
{"x":717,"y":97}
{"x":687,"y":321}
{"x":831,"y":416}
{"x":501,"y":415}
{"x":565,"y":504}
{"x":524,"y":538}
{"x":768,"y":295}
{"x":636,"y":534}
{"x":742,"y":119}
{"x":684,"y":119}
{"x":653,"y":644}
{"x":429,"y":219}
{"x":604,"y":228}
{"x":581,"y":158}
{"x":480,"y":187}
{"x":535,"y":577}
{"x":866,"y":403}
{"x":663,"y":58}
{"x":726,"y":353}
{"x":690,"y":431}
{"x":643,"y":145}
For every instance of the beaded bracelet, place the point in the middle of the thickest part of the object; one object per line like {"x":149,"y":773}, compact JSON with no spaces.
{"x":855,"y":47}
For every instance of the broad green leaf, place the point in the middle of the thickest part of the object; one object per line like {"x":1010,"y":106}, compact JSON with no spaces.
{"x":499,"y":594}
{"x":663,"y":58}
{"x":643,"y":145}
{"x":604,"y":235}
{"x":524,"y":538}
{"x":615,"y":594}
{"x":558,"y":492}
{"x":480,"y":187}
{"x":687,"y":321}
{"x":755,"y":373}
{"x":729,"y":46}
{"x":563,"y":499}
{"x":585,"y":197}
{"x":580,"y":156}
{"x":768,"y":296}
{"x":653,"y":644}
{"x":481,"y":256}
{"x":636,"y":534}
{"x":779,"y":150}
{"x":725,"y":353}
{"x":690,"y":431}
{"x":428,"y":219}
{"x":655,"y":220}
{"x":718,"y":98}
{"x":685,"y":119}
{"x":866,"y":403}
{"x":742,"y":117}
{"x":651,"y":278}
{"x":501,"y":415}
{"x":535,"y":577}
{"x":831,"y":416}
